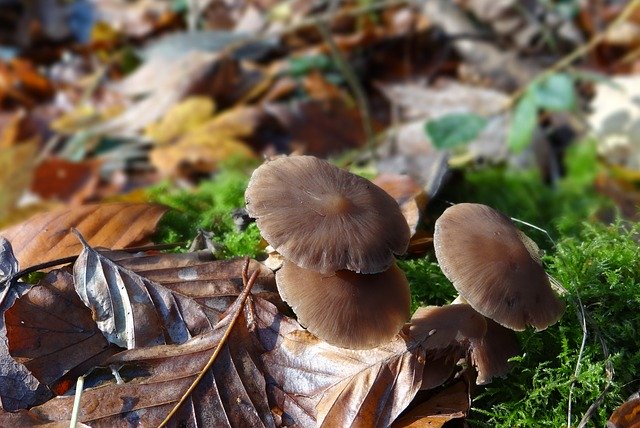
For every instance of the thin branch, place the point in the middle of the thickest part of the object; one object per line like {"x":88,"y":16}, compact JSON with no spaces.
{"x":577,"y":53}
{"x":583,"y":324}
{"x":353,"y":82}
{"x":248,"y":284}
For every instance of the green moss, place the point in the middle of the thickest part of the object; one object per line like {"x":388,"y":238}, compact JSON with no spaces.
{"x":522,"y":194}
{"x":601,"y":268}
{"x":209,"y":207}
{"x":428,"y":284}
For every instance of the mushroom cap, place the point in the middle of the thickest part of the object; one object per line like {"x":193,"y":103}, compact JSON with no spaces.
{"x":347,"y":309}
{"x":494,"y":268}
{"x":324,"y":218}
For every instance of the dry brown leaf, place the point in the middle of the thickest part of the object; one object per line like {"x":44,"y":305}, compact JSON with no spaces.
{"x":164,"y":299}
{"x":60,"y":179}
{"x":408,"y":194}
{"x":321,"y":128}
{"x":130,"y":310}
{"x":19,"y":389}
{"x":314,"y":383}
{"x":52,"y":333}
{"x":451,"y":403}
{"x":16,"y":169}
{"x":231,"y":394}
{"x":47,"y":236}
{"x":214,"y":284}
{"x":627,"y":415}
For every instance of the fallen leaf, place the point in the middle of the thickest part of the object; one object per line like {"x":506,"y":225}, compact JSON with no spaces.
{"x":19,"y":389}
{"x":627,"y":415}
{"x":231,"y":393}
{"x":451,"y":403}
{"x":181,"y":118}
{"x":130,"y":310}
{"x":314,"y":383}
{"x":52,"y":333}
{"x":203,"y":148}
{"x":62,"y":180}
{"x":16,"y":169}
{"x":321,"y":128}
{"x":408,"y":194}
{"x":615,"y":120}
{"x":214,"y":284}
{"x":47,"y":236}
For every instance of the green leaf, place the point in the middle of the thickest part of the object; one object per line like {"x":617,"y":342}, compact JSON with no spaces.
{"x":454,"y":130}
{"x":523,"y":123}
{"x":555,"y":93}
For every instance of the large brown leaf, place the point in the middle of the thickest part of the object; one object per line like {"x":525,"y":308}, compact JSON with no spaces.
{"x":312,"y":382}
{"x":231,"y":394}
{"x":169,"y":298}
{"x":47,"y":236}
{"x":131,"y":310}
{"x":52,"y":333}
{"x":19,"y":389}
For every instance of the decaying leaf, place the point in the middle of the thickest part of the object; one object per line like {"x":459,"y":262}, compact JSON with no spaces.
{"x":181,"y":118}
{"x":312,"y":382}
{"x":60,"y":179}
{"x":52,"y":333}
{"x":8,"y":263}
{"x":130,"y":310}
{"x":408,"y":194}
{"x":19,"y":389}
{"x":627,"y":415}
{"x":451,"y":403}
{"x":213,"y":284}
{"x":204,"y":147}
{"x":47,"y":236}
{"x":16,"y":168}
{"x":231,"y":394}
{"x":168,"y":298}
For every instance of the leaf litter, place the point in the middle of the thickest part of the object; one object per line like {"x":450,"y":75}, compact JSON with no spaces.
{"x":269,"y":371}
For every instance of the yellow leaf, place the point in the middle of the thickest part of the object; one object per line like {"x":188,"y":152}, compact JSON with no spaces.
{"x":180,"y":119}
{"x":16,"y":171}
{"x":200,"y":150}
{"x":82,"y":117}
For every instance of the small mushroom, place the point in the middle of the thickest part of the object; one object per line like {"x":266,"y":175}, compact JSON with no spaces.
{"x":490,"y":354}
{"x":324,"y":218}
{"x":344,"y":308}
{"x":494,"y":268}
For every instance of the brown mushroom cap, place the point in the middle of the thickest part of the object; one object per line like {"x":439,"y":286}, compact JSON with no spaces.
{"x":498,"y":273}
{"x":347,"y":309}
{"x":324,"y":218}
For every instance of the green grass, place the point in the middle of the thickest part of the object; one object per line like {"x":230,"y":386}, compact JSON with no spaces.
{"x":598,"y":265}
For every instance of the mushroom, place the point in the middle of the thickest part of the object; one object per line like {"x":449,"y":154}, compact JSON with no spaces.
{"x":495,"y":267}
{"x":344,"y":308}
{"x":324,"y":218}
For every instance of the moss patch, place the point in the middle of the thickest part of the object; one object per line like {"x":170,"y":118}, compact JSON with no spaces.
{"x":209,"y":207}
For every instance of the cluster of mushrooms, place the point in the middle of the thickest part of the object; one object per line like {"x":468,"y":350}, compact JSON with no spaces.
{"x":338,"y":234}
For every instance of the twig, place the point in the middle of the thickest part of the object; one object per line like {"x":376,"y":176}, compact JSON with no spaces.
{"x":76,"y":403}
{"x":353,"y":82}
{"x":578,"y":52}
{"x":583,"y":323}
{"x":248,"y":284}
